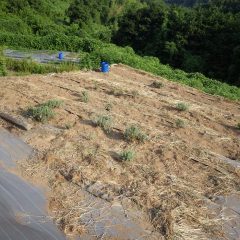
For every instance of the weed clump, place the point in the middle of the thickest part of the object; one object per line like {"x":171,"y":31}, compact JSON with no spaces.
{"x":104,"y":122}
{"x":134,"y":133}
{"x":54,"y":103}
{"x":84,"y":97}
{"x":180,"y":123}
{"x":44,"y":112}
{"x":127,"y":155}
{"x":40,"y":113}
{"x":182,"y":107}
{"x":157,"y":84}
{"x":238,"y":126}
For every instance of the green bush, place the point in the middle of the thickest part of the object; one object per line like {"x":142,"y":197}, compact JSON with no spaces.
{"x":238,"y":126}
{"x":12,"y":23}
{"x":54,"y":103}
{"x":127,"y":155}
{"x":52,"y":41}
{"x":40,"y":113}
{"x":104,"y":122}
{"x":44,"y":112}
{"x":182,"y":107}
{"x":180,"y":123}
{"x":134,"y":133}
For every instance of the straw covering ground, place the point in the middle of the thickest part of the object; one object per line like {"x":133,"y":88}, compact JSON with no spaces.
{"x":167,"y":151}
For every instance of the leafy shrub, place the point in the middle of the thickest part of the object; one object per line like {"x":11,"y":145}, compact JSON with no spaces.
{"x":180,"y":123}
{"x":104,"y":122}
{"x":54,"y":103}
{"x":44,"y":112}
{"x":238,"y":126}
{"x":133,"y":133}
{"x":182,"y":107}
{"x":157,"y":84}
{"x":13,"y":23}
{"x":127,"y":155}
{"x":40,"y":113}
{"x":84,"y":97}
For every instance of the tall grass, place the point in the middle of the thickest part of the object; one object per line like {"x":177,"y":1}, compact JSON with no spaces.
{"x":28,"y":66}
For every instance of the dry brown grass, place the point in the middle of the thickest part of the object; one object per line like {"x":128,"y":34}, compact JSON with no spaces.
{"x":174,"y":174}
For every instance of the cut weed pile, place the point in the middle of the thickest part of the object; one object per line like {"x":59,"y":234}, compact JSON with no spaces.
{"x":166,"y":160}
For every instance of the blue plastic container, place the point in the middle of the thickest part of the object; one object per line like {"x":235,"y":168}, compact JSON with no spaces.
{"x":61,"y":55}
{"x":104,"y":67}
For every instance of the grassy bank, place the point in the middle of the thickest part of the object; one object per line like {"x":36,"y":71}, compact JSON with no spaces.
{"x":30,"y":67}
{"x":114,"y":54}
{"x":93,"y":51}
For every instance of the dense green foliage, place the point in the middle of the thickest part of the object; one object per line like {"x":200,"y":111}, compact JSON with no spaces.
{"x":201,"y":39}
{"x":187,"y":3}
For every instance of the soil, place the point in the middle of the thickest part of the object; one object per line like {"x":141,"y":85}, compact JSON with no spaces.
{"x":175,"y":175}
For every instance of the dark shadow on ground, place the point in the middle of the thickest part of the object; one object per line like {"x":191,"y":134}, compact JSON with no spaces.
{"x":115,"y":156}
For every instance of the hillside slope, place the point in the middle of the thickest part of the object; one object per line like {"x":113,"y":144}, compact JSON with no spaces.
{"x":189,"y":161}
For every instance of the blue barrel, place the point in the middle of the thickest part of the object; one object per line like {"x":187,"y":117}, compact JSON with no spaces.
{"x":104,"y":67}
{"x":61,"y":55}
